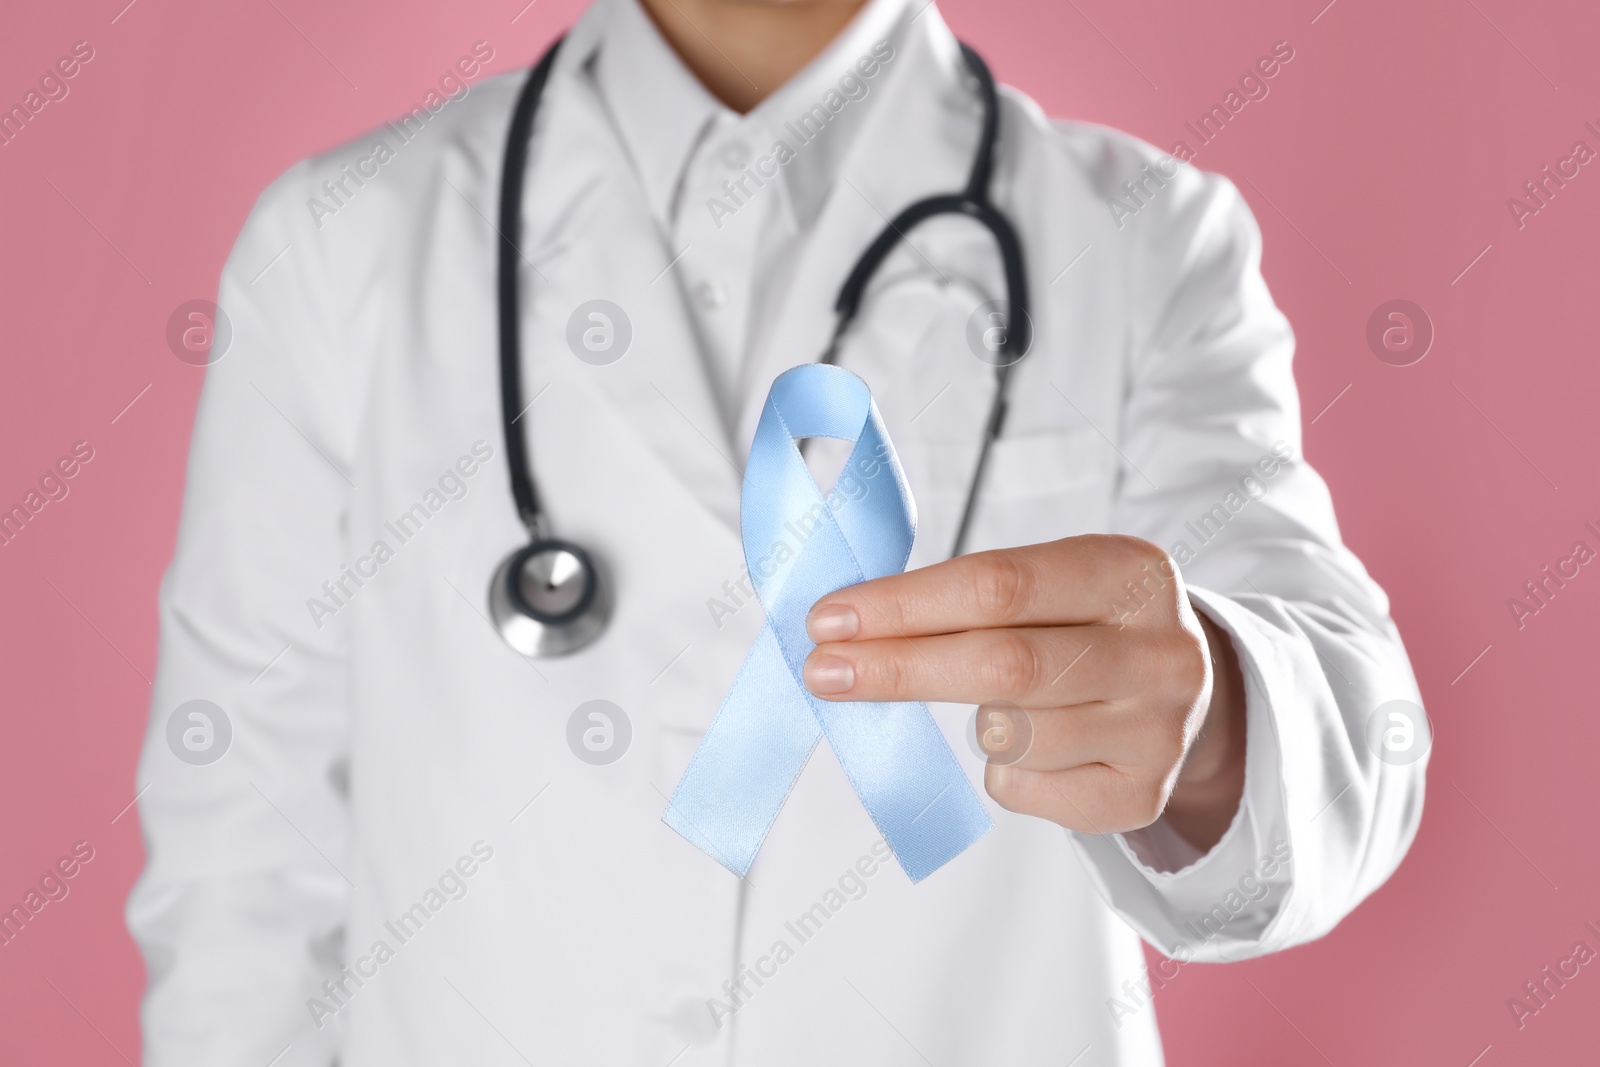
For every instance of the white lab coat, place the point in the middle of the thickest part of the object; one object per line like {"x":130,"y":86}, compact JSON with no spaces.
{"x":390,"y":738}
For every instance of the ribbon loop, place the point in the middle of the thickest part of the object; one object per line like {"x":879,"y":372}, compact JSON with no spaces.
{"x":800,"y":545}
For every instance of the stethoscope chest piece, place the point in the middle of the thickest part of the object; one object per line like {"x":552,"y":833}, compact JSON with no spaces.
{"x":547,"y":599}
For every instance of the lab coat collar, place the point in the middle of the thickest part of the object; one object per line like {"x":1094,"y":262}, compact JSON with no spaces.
{"x":659,"y":390}
{"x":916,"y":142}
{"x":662,"y":113}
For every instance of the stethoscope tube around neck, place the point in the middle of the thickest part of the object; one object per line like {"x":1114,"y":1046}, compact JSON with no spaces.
{"x":523,"y":489}
{"x":973,"y":202}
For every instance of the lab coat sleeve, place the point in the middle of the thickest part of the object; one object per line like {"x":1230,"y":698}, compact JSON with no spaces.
{"x":239,"y":908}
{"x":1211,"y":412}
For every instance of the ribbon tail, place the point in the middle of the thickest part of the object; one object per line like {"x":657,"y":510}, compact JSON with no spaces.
{"x":908,"y":780}
{"x":748,"y":761}
{"x":896,"y":758}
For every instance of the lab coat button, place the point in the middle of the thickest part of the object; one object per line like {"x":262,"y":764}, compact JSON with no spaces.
{"x":710,"y":295}
{"x":693,"y":1022}
{"x":735,"y":154}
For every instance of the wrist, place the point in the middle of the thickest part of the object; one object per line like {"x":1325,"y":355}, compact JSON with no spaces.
{"x":1211,"y":783}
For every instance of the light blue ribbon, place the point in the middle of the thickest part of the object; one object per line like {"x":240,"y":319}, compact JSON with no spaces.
{"x":799,"y":546}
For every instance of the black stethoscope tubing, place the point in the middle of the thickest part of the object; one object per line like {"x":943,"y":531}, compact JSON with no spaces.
{"x":972,"y":202}
{"x":523,"y":489}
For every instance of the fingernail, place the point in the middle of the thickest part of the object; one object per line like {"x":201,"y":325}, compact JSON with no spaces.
{"x":833,"y":622}
{"x":828,"y":675}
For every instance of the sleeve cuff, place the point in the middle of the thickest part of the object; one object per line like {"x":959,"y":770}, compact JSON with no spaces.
{"x":1217,"y":904}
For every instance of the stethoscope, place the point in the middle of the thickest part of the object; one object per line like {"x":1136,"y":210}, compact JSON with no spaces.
{"x":548,"y":597}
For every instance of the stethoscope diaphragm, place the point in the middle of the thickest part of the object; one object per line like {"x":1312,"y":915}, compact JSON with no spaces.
{"x":547,"y":599}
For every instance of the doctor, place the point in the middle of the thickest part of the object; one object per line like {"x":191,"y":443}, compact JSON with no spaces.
{"x":403,"y":842}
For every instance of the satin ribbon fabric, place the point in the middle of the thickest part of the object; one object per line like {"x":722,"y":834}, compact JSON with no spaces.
{"x":800,"y":545}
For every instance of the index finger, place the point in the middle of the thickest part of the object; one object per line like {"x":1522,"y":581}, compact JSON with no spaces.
{"x":1072,"y":581}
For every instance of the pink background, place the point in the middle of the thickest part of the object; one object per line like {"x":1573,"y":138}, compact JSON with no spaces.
{"x":1379,"y":167}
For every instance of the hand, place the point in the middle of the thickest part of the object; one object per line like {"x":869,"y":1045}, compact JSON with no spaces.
{"x":1135,"y":701}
